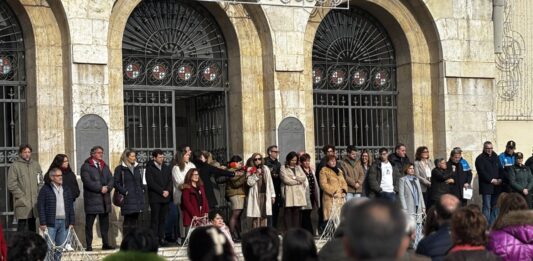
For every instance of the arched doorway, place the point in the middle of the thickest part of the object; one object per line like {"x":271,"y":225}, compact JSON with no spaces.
{"x":12,"y":103}
{"x":354,"y":82}
{"x":175,"y":79}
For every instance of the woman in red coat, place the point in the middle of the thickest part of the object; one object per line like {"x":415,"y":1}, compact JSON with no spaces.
{"x":193,"y":200}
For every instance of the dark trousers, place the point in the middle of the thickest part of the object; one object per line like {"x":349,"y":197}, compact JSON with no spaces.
{"x":158,"y":216}
{"x":307,"y":224}
{"x":390,"y":196}
{"x":26,"y":225}
{"x":103,"y":220}
{"x":273,"y":220}
{"x":130,"y":223}
{"x":292,"y":217}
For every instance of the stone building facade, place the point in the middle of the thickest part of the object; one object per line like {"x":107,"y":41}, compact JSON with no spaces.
{"x":438,"y":81}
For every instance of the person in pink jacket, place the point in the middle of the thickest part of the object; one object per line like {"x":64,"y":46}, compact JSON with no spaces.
{"x":511,"y":237}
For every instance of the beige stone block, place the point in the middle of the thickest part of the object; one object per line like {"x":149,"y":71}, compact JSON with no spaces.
{"x":289,"y":63}
{"x":439,"y":8}
{"x":448,"y":28}
{"x":99,"y":31}
{"x":280,"y":18}
{"x":81,"y":31}
{"x":470,"y":69}
{"x":94,"y":54}
{"x":294,"y":44}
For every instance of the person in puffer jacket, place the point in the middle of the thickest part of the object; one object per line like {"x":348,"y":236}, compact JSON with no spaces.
{"x":511,"y":237}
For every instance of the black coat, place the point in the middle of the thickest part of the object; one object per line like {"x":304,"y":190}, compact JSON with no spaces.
{"x":529,"y":163}
{"x":70,"y":181}
{"x":438,"y":182}
{"x":220,"y":176}
{"x":399,"y":162}
{"x":437,"y":244}
{"x":46,"y":203}
{"x":375,"y":175}
{"x":158,"y":180}
{"x":275,"y":170}
{"x":93,"y":180}
{"x":131,"y":188}
{"x":487,"y":167}
{"x":460,"y":179}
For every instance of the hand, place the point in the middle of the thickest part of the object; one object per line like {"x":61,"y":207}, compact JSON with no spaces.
{"x":494,"y":181}
{"x":165,"y":193}
{"x":273,"y":200}
{"x":466,"y":185}
{"x":239,"y":173}
{"x":357,"y":185}
{"x":525,"y":191}
{"x":104,"y":189}
{"x":42,"y":227}
{"x":71,"y":226}
{"x":450,"y":181}
{"x":343,"y":195}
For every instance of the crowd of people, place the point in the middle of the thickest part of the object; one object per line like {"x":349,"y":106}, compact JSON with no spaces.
{"x":262,"y":190}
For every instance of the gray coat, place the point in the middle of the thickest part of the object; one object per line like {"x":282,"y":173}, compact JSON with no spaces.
{"x":425,"y":181}
{"x":407,"y":200}
{"x":93,"y":180}
{"x":23,"y":182}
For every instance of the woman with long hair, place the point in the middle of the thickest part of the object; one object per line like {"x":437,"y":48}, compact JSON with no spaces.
{"x":181,"y":164}
{"x":512,"y":231}
{"x":261,"y":194}
{"x":312,"y":193}
{"x":61,"y":161}
{"x":128,"y":182}
{"x":193,"y":199}
{"x":423,"y":167}
{"x":294,"y":184}
{"x":236,"y":189}
{"x":363,"y":164}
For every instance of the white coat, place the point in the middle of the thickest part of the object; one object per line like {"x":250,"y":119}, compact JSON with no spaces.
{"x":252,"y":208}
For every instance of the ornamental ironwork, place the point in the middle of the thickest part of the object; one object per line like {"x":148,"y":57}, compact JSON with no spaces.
{"x":354,"y":82}
{"x":174,"y":64}
{"x":12,"y":104}
{"x":319,"y":4}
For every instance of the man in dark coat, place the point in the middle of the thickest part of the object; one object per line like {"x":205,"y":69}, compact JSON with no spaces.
{"x":159,"y":182}
{"x":489,"y":180}
{"x":399,"y":158}
{"x":383,"y":177}
{"x":97,"y":185}
{"x":56,"y":209}
{"x":273,"y":164}
{"x":209,"y":173}
{"x":437,"y":244}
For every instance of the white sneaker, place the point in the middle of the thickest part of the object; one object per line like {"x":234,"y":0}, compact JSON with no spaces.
{"x":68,"y":247}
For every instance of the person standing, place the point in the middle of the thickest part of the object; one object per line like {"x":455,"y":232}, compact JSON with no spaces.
{"x":507,"y":160}
{"x":441,"y":179}
{"x":56,"y":209}
{"x":159,"y":182}
{"x":193,"y":202}
{"x":61,"y":162}
{"x":128,"y":182}
{"x":236,"y":192}
{"x":399,"y":158}
{"x":334,"y":186}
{"x":23,"y":180}
{"x":461,"y":178}
{"x":97,"y":185}
{"x":294,"y":183}
{"x":410,"y":194}
{"x":261,"y":194}
{"x":383,"y":177}
{"x":273,"y":164}
{"x":180,"y":166}
{"x":353,"y":173}
{"x":312,"y":194}
{"x":423,"y":168}
{"x":521,"y":179}
{"x":489,"y":180}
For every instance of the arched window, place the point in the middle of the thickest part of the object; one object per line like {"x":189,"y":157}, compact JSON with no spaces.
{"x":12,"y":102}
{"x":175,"y":78}
{"x":354,"y":82}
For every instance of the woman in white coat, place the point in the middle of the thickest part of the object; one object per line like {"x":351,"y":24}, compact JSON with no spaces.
{"x":261,"y":194}
{"x":410,"y":194}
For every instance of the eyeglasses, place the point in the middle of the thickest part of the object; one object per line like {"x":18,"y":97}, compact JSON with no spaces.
{"x":488,"y":148}
{"x":257,"y":159}
{"x":274,"y":151}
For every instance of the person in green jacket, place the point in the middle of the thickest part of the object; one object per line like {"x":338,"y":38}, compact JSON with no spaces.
{"x":23,"y":180}
{"x":521,"y":178}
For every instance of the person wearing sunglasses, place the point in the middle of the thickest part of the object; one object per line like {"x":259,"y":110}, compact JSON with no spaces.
{"x":261,"y":194}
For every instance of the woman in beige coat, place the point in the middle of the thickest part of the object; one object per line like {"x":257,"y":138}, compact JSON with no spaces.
{"x":294,"y":181}
{"x":261,"y":194}
{"x":333,"y":185}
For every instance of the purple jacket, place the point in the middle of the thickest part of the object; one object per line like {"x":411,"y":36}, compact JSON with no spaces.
{"x":514,"y":240}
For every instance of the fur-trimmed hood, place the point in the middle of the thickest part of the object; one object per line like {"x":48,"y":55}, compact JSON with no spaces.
{"x":521,"y":217}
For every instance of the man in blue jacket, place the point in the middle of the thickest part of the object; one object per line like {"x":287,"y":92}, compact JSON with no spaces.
{"x":507,"y":159}
{"x":56,"y":209}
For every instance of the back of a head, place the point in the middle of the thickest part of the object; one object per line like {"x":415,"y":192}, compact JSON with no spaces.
{"x":260,"y":244}
{"x":26,"y":246}
{"x":445,"y":206}
{"x":468,"y":227}
{"x":511,"y":202}
{"x":298,"y":244}
{"x":209,"y":243}
{"x":375,"y":231}
{"x":140,"y":240}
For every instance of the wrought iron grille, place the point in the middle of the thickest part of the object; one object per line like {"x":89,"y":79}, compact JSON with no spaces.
{"x":175,"y":79}
{"x":12,"y":104}
{"x":354,"y":83}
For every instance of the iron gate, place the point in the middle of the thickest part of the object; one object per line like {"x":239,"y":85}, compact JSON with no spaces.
{"x":175,"y":79}
{"x":354,"y":83}
{"x":12,"y":104}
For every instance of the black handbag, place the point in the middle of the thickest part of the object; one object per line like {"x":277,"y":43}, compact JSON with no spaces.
{"x":118,"y":198}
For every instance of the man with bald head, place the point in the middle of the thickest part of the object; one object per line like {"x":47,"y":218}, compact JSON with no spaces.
{"x":436,"y":245}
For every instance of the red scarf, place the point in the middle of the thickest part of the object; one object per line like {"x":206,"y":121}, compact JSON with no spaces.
{"x":458,"y":248}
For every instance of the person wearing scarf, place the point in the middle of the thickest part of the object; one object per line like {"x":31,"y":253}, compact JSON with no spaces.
{"x":410,"y":194}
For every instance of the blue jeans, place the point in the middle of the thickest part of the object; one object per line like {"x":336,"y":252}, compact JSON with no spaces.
{"x":58,"y":235}
{"x":489,"y":203}
{"x":351,"y":195}
{"x":390,"y":196}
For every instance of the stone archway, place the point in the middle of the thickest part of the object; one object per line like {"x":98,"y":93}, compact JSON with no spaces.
{"x":417,"y":59}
